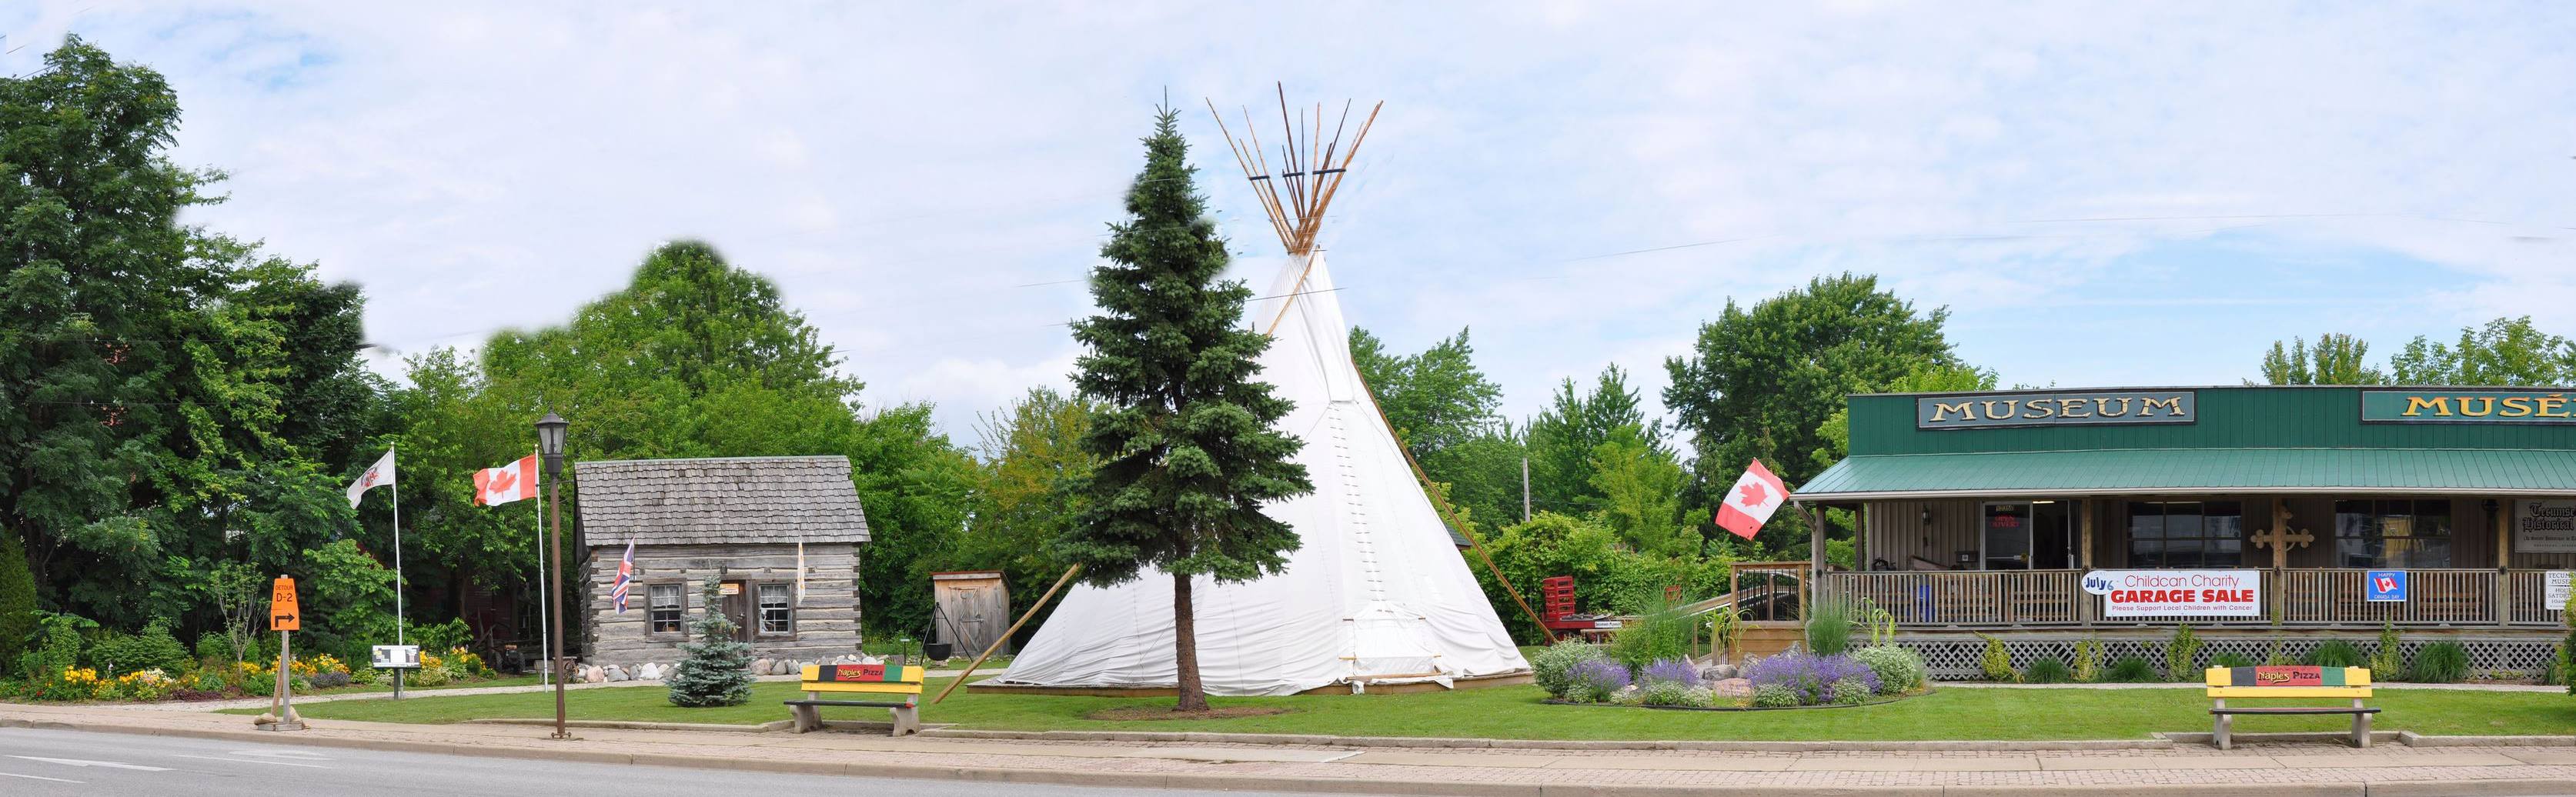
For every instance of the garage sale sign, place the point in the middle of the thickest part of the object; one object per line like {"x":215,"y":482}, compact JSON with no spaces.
{"x":2177,"y":593}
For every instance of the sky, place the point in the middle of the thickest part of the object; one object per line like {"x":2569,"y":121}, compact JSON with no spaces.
{"x":2098,"y":194}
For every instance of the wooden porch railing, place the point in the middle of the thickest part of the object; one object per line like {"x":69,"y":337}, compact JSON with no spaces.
{"x":2019,"y":598}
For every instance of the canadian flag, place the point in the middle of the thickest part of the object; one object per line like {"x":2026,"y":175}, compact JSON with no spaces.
{"x":511,"y":482}
{"x":1756,"y":495}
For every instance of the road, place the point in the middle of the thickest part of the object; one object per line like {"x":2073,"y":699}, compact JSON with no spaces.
{"x":43,"y":763}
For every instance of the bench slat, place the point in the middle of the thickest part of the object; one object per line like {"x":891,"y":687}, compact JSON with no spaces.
{"x":868,"y":688}
{"x":2295,"y":710}
{"x":2289,"y":691}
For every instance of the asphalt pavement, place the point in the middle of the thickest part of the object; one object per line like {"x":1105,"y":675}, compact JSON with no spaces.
{"x":49,"y":763}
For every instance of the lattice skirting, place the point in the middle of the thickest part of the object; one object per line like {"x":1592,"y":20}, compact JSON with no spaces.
{"x":1957,"y":657}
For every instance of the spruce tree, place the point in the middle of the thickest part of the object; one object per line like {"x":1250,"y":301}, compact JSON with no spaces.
{"x":717,"y":671}
{"x":1183,"y":428}
{"x":17,"y":601}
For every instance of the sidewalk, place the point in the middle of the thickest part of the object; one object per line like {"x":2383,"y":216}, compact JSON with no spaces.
{"x":2318,"y":769}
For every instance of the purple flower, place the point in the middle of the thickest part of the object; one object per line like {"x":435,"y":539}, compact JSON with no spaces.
{"x":1671,"y":671}
{"x":1596,"y":680}
{"x":1812,"y":677}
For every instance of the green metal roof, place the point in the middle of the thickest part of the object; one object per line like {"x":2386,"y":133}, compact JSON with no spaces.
{"x":2495,"y":472}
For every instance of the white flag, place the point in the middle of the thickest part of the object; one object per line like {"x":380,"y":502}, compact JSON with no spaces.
{"x":377,"y":475}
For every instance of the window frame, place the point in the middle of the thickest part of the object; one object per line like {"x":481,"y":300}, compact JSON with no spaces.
{"x":683,"y":631}
{"x":2205,"y":540}
{"x":759,"y":618}
{"x":2374,"y":537}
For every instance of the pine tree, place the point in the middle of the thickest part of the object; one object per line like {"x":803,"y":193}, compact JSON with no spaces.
{"x":717,"y":671}
{"x":1184,"y":430}
{"x":17,"y":601}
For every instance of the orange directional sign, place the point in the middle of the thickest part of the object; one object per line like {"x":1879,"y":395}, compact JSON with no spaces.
{"x":282,"y":612}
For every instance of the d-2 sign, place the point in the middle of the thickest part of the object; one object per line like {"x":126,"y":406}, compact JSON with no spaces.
{"x":283,"y":614}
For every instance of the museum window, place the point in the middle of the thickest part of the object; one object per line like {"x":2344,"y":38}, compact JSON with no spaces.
{"x":777,"y":618}
{"x":662,"y":608}
{"x":2186,"y":534}
{"x":2395,"y":533}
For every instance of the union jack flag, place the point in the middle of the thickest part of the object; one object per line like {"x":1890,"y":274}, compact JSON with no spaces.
{"x":625,"y":577}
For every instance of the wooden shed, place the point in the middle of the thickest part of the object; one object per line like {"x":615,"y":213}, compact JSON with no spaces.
{"x":974,"y":610}
{"x":780,"y":536}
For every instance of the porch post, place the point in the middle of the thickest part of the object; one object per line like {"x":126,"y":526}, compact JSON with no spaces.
{"x":2500,"y":594}
{"x":2280,"y":559}
{"x":2084,"y":604}
{"x":1815,"y":555}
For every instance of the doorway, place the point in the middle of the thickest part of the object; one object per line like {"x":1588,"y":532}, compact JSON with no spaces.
{"x":2033,"y":535}
{"x":736,"y":603}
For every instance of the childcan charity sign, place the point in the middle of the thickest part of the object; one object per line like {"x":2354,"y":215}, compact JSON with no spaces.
{"x":2177,"y":593}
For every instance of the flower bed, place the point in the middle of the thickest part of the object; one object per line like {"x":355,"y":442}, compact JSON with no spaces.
{"x":213,"y":679}
{"x":1583,"y":673}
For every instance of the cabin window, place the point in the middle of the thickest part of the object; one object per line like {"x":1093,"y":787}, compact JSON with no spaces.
{"x":776,"y":613}
{"x":2396,"y":533}
{"x":662,"y":607}
{"x":2186,"y":534}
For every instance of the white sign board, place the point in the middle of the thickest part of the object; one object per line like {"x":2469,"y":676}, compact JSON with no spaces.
{"x":2553,"y":589}
{"x":2544,"y":526}
{"x":394,"y":657}
{"x":2177,"y":593}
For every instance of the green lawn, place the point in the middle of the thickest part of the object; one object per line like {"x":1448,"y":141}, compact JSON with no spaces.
{"x":1515,"y":712}
{"x":387,"y":685}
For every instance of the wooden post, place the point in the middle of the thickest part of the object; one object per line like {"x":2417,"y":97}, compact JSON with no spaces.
{"x":1006,"y":635}
{"x":2085,"y":606}
{"x":1815,"y":557}
{"x":2500,"y":594}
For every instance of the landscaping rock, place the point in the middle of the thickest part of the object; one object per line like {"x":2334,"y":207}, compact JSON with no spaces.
{"x":1730,"y":688}
{"x":614,"y":673}
{"x":760,"y":666}
{"x":1717,"y":672}
{"x":648,"y":671}
{"x":593,"y":675}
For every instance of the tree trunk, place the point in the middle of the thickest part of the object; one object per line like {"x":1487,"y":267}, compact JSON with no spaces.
{"x":1185,"y":648}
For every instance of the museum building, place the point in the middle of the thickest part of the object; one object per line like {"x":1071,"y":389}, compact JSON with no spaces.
{"x":2253,"y":514}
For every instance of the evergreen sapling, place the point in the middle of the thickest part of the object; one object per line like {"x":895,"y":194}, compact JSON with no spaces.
{"x":717,"y":671}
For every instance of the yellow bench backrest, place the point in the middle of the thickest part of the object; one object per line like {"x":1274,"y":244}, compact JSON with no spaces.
{"x":905,"y":680}
{"x":2287,"y":681}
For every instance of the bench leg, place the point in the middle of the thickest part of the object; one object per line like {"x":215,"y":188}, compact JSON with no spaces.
{"x":2360,"y":727}
{"x":2219,"y":726}
{"x":807,"y":717}
{"x":907,"y":720}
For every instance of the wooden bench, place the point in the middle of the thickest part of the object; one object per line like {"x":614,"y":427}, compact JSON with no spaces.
{"x":891,"y":679}
{"x":2288,"y":682}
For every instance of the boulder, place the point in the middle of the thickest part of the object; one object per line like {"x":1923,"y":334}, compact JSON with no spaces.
{"x":593,"y":675}
{"x":1717,"y":672}
{"x":1730,"y":687}
{"x":614,"y":673}
{"x":760,"y":666}
{"x":648,"y":671}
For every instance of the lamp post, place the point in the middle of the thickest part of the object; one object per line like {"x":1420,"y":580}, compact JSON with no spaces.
{"x":550,"y":444}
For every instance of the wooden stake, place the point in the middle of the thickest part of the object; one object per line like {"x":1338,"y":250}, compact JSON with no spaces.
{"x":1006,"y":635}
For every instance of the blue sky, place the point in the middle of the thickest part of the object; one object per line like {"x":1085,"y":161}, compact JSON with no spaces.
{"x":2102,"y":194}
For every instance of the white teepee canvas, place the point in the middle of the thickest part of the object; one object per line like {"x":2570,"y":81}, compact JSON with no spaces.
{"x":1375,"y":593}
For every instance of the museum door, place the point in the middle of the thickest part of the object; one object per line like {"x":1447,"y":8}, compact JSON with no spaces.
{"x":2028,"y":536}
{"x":736,"y":601}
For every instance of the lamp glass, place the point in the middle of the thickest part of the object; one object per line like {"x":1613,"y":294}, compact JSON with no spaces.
{"x":550,"y":434}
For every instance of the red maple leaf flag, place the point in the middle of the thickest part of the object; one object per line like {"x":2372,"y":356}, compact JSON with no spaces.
{"x":1756,"y":495}
{"x":511,"y":482}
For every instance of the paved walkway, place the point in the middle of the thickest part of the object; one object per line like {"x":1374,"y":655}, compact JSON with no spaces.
{"x":2388,"y":769}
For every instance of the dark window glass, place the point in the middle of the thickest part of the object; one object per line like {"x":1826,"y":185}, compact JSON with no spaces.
{"x":662,"y":607}
{"x":2186,"y":534}
{"x":2393,"y":533}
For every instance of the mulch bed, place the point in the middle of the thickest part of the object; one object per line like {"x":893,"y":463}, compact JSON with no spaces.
{"x":1151,"y":713}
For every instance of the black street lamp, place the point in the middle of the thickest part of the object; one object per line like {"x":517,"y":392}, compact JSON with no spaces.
{"x":550,"y":445}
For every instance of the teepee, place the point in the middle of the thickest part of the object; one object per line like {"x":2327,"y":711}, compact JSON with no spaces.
{"x":1376,"y":593}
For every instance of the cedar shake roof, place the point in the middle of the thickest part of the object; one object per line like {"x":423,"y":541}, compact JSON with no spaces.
{"x":719,"y":500}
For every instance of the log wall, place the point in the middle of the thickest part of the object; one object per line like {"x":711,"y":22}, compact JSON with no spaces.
{"x":826,"y":622}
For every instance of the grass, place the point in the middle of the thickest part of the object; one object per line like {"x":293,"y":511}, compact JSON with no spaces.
{"x":1515,"y":712}
{"x":386,"y":684}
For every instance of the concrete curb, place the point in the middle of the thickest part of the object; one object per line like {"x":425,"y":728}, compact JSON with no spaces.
{"x":1435,"y":742}
{"x":775,"y":725}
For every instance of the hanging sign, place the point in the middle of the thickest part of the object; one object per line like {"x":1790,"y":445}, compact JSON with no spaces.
{"x":2177,"y":593}
{"x":2383,"y":586}
{"x":1986,"y":410}
{"x":2467,"y":406}
{"x":283,"y":615}
{"x":2544,"y":526}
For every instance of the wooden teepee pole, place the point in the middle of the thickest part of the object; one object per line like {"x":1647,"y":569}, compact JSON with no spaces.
{"x":1006,"y":635}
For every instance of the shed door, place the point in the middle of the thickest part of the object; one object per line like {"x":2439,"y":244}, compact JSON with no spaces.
{"x":736,"y":597}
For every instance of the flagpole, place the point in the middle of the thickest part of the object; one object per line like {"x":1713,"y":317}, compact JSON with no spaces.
{"x":398,"y":568}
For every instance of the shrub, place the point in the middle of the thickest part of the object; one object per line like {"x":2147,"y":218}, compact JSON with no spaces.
{"x":2088,"y":660}
{"x":365,"y":676}
{"x":55,"y":647}
{"x":1899,"y":671}
{"x":1849,"y":691}
{"x":214,"y":646}
{"x":1774,"y":696}
{"x":330,"y":678}
{"x":714,"y":672}
{"x":1550,"y":666}
{"x":428,"y":675}
{"x":1996,"y":664}
{"x":2131,"y":670}
{"x":1829,"y":623}
{"x":153,"y":648}
{"x":2440,"y":663}
{"x":2273,"y":657}
{"x":2388,"y":662}
{"x":2335,"y":653}
{"x":2047,"y":671}
{"x":2182,"y":655}
{"x":2230,"y":659}
{"x":1596,"y":681}
{"x":1671,"y":693}
{"x":1675,"y":671}
{"x":1661,"y":635}
{"x":1814,"y":679}
{"x":443,"y":636}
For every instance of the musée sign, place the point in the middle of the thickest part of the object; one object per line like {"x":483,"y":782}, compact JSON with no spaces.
{"x":2467,"y":406}
{"x":2046,"y":409}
